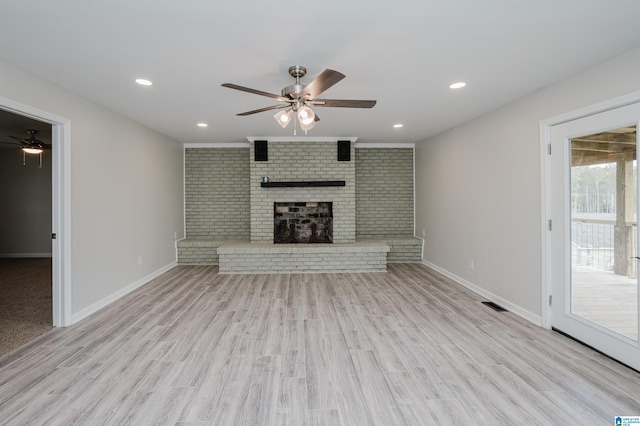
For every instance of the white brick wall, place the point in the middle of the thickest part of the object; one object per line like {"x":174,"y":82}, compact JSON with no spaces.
{"x":224,"y":199}
{"x":303,"y":161}
{"x":217,"y":193}
{"x":384,"y":192}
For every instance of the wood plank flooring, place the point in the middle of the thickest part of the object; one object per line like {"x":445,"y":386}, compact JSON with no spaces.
{"x":407,"y":347}
{"x":605,"y":298}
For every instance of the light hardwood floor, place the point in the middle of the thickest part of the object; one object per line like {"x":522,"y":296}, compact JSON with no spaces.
{"x":606,"y":299}
{"x":407,"y":347}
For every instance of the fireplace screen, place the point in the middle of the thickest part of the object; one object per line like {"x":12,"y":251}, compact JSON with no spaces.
{"x":302,"y":222}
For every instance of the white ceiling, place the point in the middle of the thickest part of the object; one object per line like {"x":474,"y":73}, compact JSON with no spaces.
{"x":402,"y":53}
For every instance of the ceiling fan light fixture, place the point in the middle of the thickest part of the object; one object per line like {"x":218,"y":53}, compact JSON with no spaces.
{"x":307,"y":125}
{"x":32,"y":150}
{"x":283,"y":117}
{"x":306,"y":116}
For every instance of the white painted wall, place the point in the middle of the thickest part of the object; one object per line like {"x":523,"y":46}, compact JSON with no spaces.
{"x":478,"y":186}
{"x":25,"y":204}
{"x":126,"y":191}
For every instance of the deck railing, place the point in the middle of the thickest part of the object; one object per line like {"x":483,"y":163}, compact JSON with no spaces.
{"x":592,"y":244}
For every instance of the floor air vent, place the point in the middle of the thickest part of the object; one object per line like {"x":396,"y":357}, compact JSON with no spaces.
{"x":494,"y":306}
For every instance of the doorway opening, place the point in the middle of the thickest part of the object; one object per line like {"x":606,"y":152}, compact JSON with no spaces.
{"x":26,"y":306}
{"x":60,"y":199}
{"x":590,"y":241}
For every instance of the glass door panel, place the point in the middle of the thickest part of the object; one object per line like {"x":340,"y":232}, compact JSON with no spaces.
{"x":604,"y":284}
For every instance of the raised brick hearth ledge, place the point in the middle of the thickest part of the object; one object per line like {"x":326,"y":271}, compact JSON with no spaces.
{"x":238,"y":258}
{"x":206,"y":251}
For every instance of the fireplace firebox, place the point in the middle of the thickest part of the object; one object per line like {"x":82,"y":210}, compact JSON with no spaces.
{"x":303,"y":222}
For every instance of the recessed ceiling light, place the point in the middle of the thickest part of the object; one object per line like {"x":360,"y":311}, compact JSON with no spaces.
{"x":203,"y":125}
{"x":143,"y":82}
{"x":397,"y":126}
{"x":458,"y":85}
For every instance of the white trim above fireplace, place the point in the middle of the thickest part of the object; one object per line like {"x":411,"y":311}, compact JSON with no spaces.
{"x":302,"y":138}
{"x":385,"y":145}
{"x":217,"y":145}
{"x":298,"y":139}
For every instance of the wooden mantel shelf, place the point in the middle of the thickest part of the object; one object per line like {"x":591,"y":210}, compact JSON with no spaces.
{"x":302,"y":184}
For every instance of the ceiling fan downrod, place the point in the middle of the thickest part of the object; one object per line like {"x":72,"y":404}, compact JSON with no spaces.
{"x":293,"y":91}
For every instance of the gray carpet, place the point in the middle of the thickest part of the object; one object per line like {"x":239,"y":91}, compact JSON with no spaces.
{"x":25,"y":301}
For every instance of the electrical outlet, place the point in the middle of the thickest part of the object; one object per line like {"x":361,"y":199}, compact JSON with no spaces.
{"x":139,"y":260}
{"x":175,"y":235}
{"x":471,"y":264}
{"x":424,"y":233}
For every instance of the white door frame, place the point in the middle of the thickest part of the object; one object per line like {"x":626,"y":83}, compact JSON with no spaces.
{"x":545,"y":175}
{"x":61,"y":203}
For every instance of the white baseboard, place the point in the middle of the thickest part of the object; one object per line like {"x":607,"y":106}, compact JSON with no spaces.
{"x":511,"y":307}
{"x":23,"y":255}
{"x":89,"y":310}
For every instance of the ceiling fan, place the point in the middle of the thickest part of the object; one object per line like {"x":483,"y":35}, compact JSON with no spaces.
{"x":31,"y":145}
{"x":297,"y":100}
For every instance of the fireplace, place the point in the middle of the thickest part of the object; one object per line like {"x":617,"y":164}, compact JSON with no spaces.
{"x":302,"y":222}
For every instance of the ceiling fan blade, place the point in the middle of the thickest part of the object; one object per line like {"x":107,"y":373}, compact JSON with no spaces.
{"x":325,"y":80}
{"x":22,"y":141}
{"x":255,"y":92}
{"x":10,"y":143}
{"x":264,"y":109}
{"x":343,"y":103}
{"x":26,"y":143}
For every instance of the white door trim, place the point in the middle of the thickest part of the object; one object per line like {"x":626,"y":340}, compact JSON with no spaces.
{"x":61,"y":205}
{"x":545,"y":185}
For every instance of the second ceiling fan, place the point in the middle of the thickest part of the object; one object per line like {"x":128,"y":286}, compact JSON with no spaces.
{"x":32,"y":145}
{"x":297,"y":99}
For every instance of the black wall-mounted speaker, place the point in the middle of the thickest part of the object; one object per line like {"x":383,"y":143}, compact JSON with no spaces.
{"x":344,"y":150}
{"x":261,"y":151}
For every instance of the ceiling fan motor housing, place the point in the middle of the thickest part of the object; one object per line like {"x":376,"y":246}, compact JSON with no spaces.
{"x":295,"y":90}
{"x":292,"y":91}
